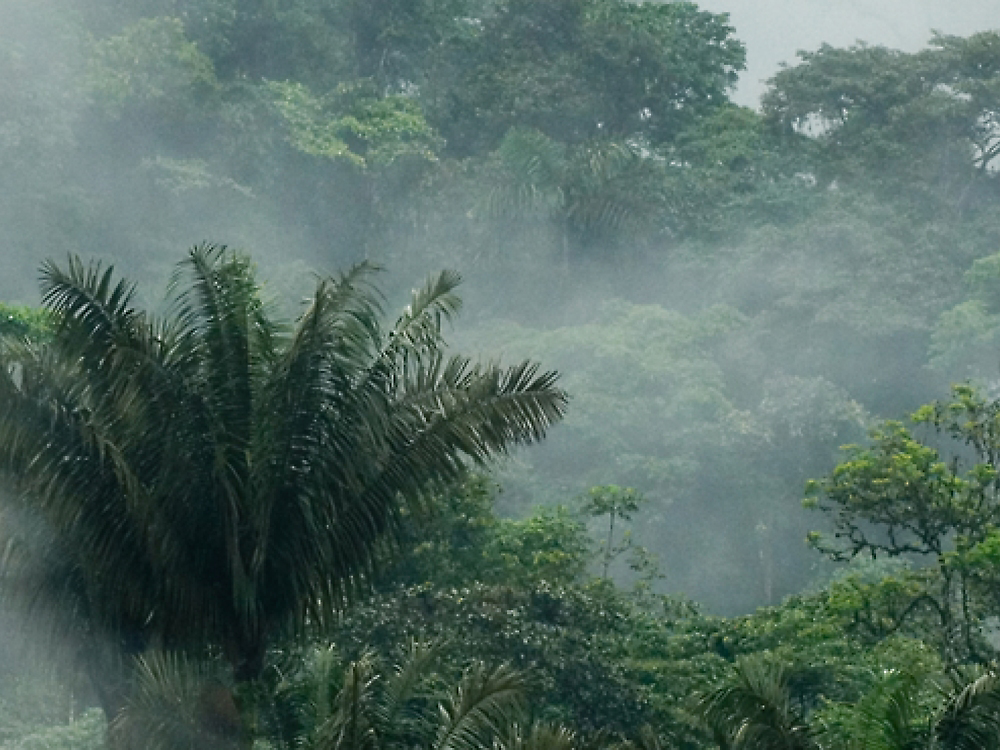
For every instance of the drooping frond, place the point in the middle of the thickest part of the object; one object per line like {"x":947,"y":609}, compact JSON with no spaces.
{"x":397,"y":716}
{"x":753,"y":710}
{"x":177,"y":704}
{"x":484,"y":703}
{"x":86,"y":300}
{"x":971,"y":716}
{"x":536,"y":737}
{"x":349,"y":726}
{"x":889,"y":717}
{"x":69,"y":476}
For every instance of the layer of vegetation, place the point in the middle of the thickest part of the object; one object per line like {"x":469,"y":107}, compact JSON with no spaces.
{"x":230,"y":519}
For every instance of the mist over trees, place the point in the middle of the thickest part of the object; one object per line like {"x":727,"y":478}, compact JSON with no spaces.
{"x":729,"y":295}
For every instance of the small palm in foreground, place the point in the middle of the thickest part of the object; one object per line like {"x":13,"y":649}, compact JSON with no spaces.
{"x":326,"y":705}
{"x":754,"y":711}
{"x":217,"y":479}
{"x":902,"y":711}
{"x":905,"y":712}
{"x":366,"y":708}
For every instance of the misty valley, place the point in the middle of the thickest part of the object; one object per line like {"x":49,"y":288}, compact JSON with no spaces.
{"x":479,"y":375}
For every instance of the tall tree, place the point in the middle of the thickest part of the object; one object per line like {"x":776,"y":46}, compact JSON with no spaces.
{"x":216,"y":478}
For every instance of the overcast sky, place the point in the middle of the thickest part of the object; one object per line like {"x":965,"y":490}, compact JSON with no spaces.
{"x":773,"y":30}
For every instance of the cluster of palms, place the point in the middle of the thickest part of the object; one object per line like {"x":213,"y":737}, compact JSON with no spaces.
{"x":317,"y":702}
{"x":212,"y":482}
{"x":755,"y":710}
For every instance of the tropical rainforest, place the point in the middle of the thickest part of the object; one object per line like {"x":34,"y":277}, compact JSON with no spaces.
{"x":477,"y":375}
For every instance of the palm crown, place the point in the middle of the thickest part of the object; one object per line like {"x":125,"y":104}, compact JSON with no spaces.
{"x":214,"y":477}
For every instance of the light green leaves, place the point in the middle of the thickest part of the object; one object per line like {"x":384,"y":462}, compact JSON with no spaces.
{"x":354,"y":124}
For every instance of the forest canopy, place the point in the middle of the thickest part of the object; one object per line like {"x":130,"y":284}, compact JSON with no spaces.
{"x":741,"y":303}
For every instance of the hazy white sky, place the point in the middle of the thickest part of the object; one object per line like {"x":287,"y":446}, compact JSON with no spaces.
{"x":774,"y":30}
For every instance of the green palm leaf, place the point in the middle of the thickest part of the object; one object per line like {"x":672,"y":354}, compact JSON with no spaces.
{"x":484,"y":703}
{"x":970,"y":719}
{"x":754,"y":711}
{"x":176,"y":704}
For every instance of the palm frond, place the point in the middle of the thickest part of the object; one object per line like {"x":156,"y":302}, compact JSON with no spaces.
{"x":971,"y":716}
{"x":350,"y":725}
{"x":537,"y":736}
{"x":530,"y":176}
{"x":397,"y":716}
{"x":889,"y":716}
{"x":177,"y":704}
{"x":484,"y":703}
{"x":753,"y":710}
{"x":431,"y":305}
{"x":214,"y":477}
{"x":85,"y":299}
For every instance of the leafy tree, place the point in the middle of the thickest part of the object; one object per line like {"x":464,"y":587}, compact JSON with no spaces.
{"x":614,"y":503}
{"x":150,"y":63}
{"x":900,"y":497}
{"x":457,"y":540}
{"x":217,"y":480}
{"x":580,"y":69}
{"x":380,"y":143}
{"x":887,"y":117}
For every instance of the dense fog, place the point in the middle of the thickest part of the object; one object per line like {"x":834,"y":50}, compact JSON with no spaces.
{"x":743,"y":233}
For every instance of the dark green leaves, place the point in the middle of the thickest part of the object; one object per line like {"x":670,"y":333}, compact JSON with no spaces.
{"x":218,"y":477}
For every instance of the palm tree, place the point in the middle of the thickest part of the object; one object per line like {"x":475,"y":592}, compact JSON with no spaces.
{"x":903,"y":711}
{"x":216,"y":479}
{"x":590,"y":193}
{"x":754,"y":710}
{"x":325,"y":706}
{"x":890,"y":716}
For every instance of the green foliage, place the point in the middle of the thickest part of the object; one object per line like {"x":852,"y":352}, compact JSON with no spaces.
{"x":149,"y":63}
{"x":755,"y":710}
{"x":964,"y":341}
{"x":456,"y":540}
{"x":24,"y":322}
{"x":661,"y":395}
{"x":355,"y":125}
{"x":549,"y":546}
{"x":588,"y":194}
{"x":176,"y":704}
{"x":404,"y":706}
{"x":781,"y":275}
{"x":573,"y":639}
{"x":231,"y":479}
{"x":921,"y":124}
{"x":899,"y":497}
{"x":584,"y":68}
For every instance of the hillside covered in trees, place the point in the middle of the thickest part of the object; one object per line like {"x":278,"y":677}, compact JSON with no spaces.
{"x":238,"y":518}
